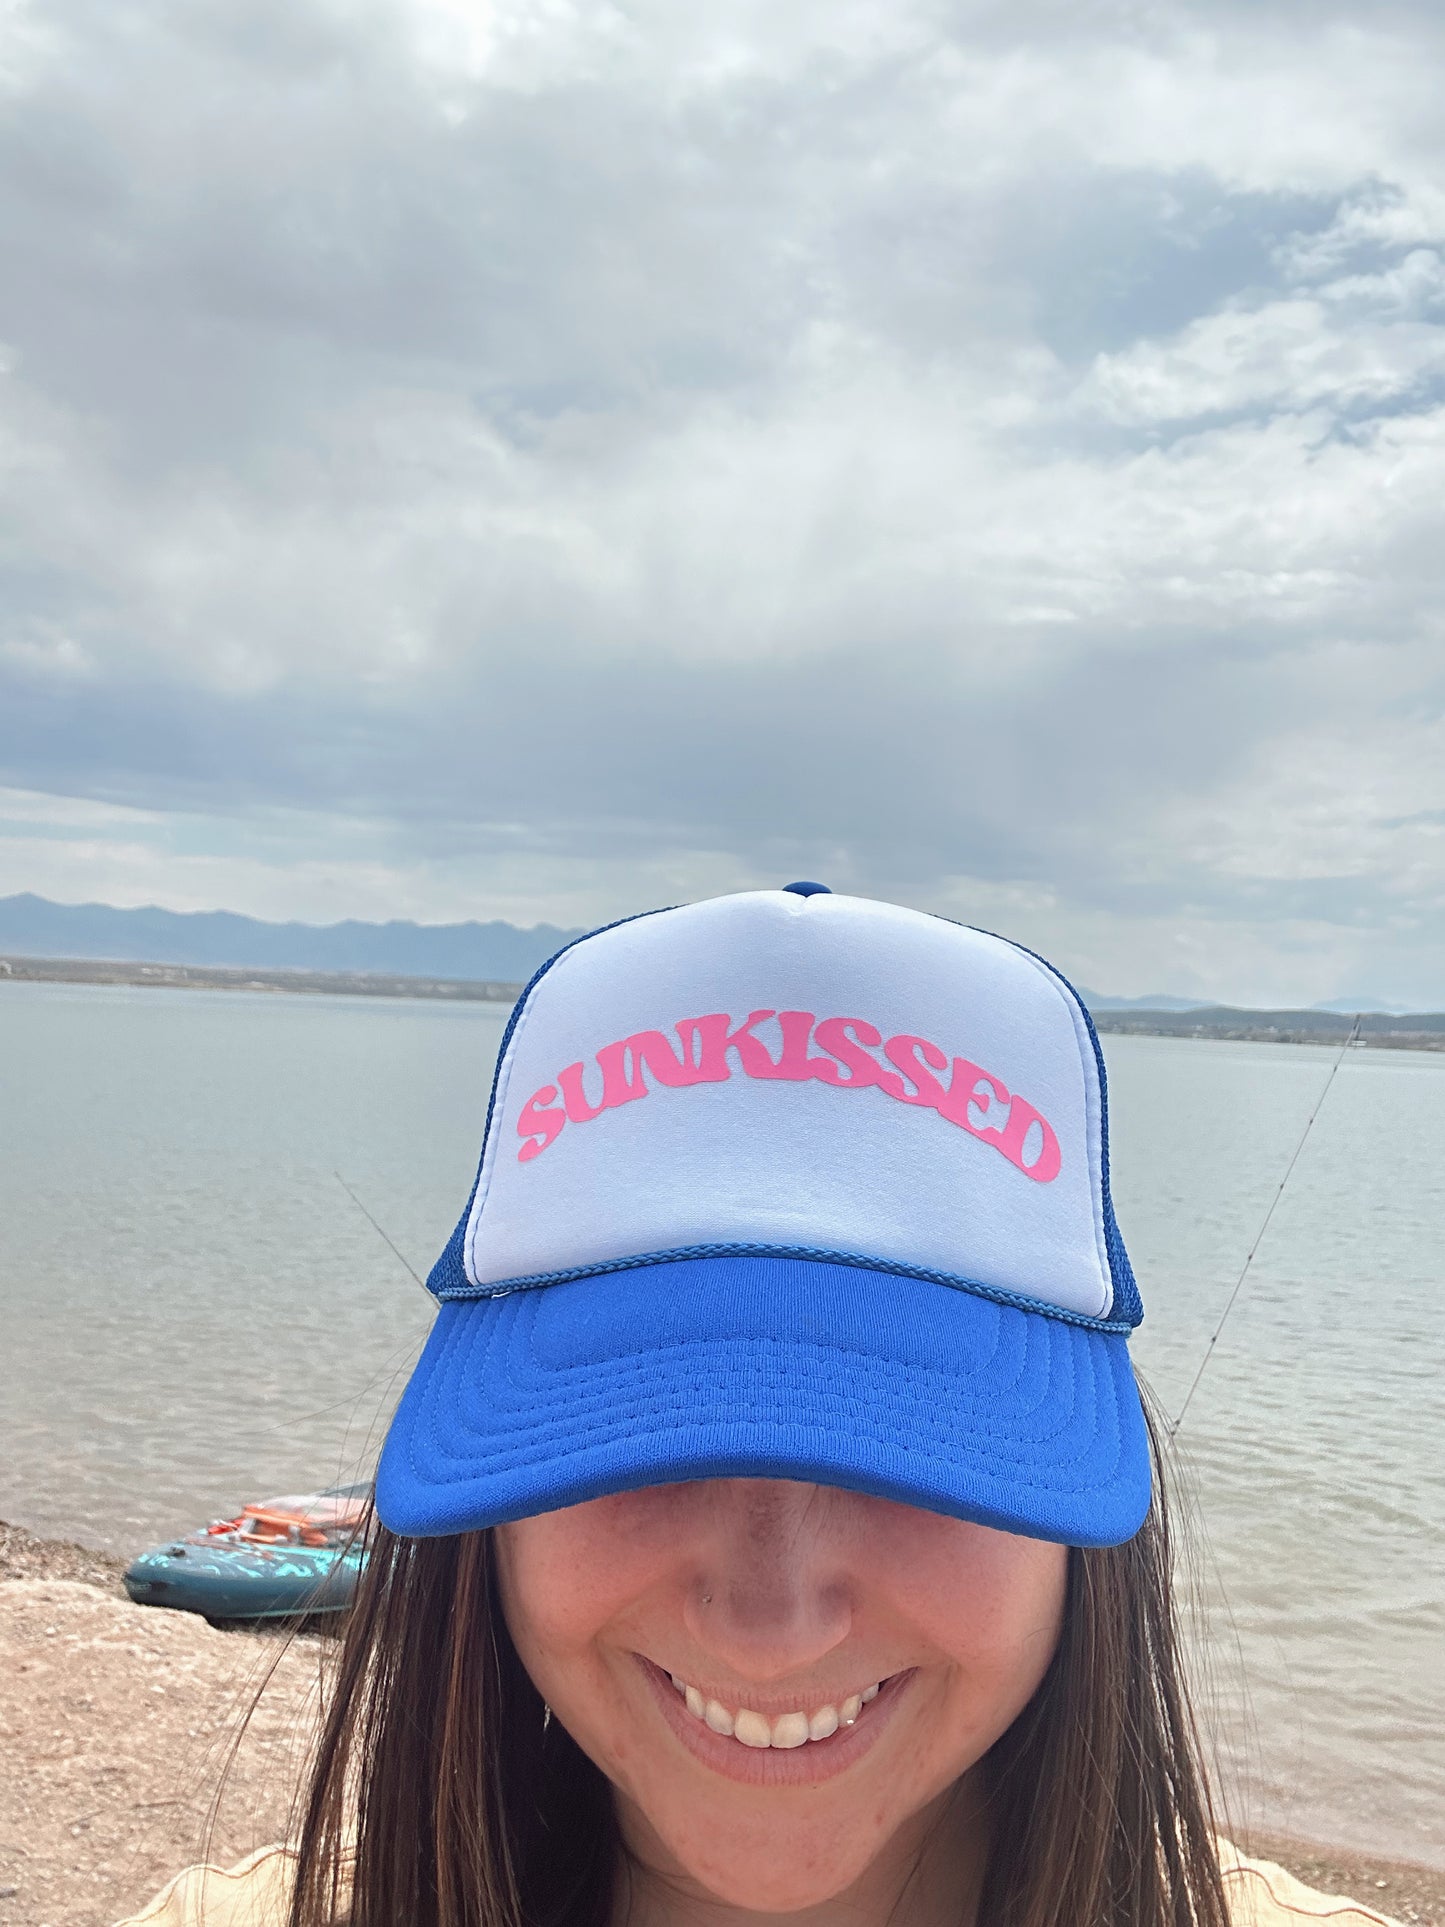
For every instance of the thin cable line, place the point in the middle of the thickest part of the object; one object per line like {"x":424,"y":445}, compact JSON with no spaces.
{"x":1259,"y":1235}
{"x":377,"y":1228}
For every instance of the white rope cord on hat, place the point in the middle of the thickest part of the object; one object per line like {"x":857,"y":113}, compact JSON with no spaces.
{"x":1259,"y":1235}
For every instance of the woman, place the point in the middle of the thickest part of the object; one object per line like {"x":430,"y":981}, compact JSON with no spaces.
{"x":769,"y":1527}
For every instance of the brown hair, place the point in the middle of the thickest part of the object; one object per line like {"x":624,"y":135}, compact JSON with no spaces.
{"x":443,"y":1797}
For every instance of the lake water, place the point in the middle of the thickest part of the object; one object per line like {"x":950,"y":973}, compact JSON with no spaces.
{"x":195,"y":1313}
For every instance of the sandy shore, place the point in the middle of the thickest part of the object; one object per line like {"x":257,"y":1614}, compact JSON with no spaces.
{"x":117,"y":1720}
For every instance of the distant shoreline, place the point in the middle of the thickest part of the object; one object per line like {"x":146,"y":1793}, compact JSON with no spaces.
{"x":314,"y":983}
{"x":1378,"y":1031}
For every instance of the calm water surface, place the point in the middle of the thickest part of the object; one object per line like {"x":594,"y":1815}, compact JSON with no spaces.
{"x":195,"y":1313}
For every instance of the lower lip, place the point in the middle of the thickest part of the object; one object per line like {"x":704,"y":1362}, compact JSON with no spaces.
{"x":806,"y":1765}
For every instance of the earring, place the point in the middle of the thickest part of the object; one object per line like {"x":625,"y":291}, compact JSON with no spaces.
{"x":546,"y":1716}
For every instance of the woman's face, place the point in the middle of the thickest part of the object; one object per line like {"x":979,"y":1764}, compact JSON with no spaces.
{"x":781,"y":1607}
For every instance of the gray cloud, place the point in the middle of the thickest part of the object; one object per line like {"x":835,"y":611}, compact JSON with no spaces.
{"x":992,"y":449}
{"x":891,"y":756}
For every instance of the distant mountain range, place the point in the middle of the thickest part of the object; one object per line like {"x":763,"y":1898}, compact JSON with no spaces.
{"x":496,"y":952}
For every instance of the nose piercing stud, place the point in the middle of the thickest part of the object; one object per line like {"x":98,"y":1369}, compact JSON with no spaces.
{"x":707,"y":1599}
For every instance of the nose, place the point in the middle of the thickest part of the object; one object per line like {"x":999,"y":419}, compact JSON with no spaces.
{"x":773,"y":1593}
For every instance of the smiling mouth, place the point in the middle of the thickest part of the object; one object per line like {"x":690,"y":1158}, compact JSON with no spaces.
{"x":794,"y":1727}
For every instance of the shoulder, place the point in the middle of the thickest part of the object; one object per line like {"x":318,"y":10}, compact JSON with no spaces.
{"x":253,"y":1893}
{"x":1261,"y":1894}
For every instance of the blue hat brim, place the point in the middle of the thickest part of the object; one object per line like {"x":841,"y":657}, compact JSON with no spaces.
{"x":746,"y":1366}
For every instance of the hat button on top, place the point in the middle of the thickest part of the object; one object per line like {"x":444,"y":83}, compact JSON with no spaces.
{"x":808,"y":889}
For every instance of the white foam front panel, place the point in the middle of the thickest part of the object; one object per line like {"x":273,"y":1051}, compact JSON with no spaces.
{"x":871,"y":1171}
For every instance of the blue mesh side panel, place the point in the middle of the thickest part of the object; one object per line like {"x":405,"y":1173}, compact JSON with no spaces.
{"x":1127,"y":1302}
{"x":449,"y":1275}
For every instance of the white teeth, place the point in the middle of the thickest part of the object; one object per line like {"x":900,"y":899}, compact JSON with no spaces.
{"x":786,"y":1731}
{"x":790,"y":1729}
{"x":752,"y":1729}
{"x":824,"y":1723}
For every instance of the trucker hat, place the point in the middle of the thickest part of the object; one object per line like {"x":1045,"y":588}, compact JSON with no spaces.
{"x":786,"y":1184}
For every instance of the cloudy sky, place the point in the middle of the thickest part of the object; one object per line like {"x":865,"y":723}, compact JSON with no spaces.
{"x":543,"y":459}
